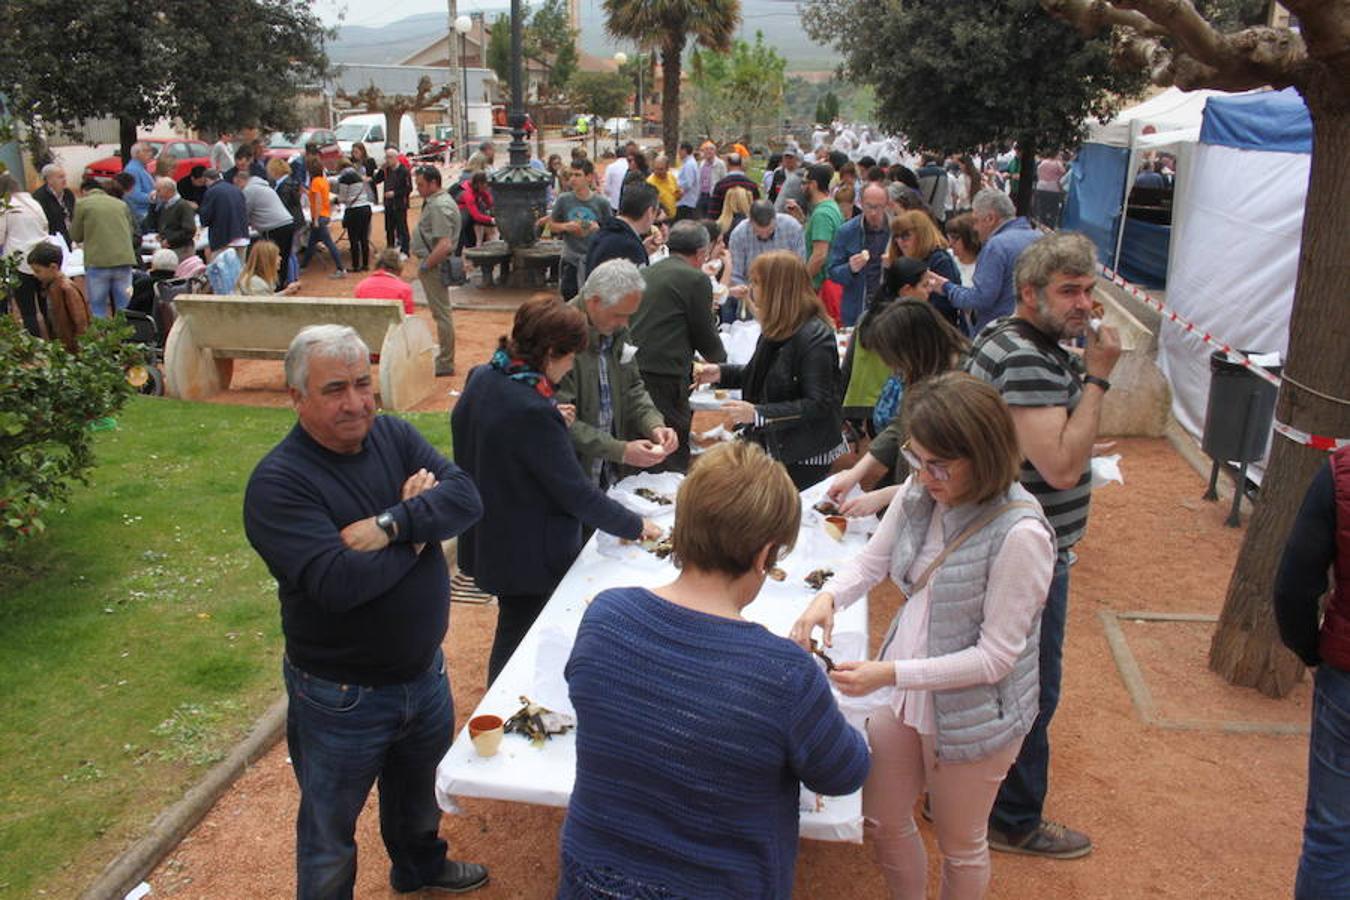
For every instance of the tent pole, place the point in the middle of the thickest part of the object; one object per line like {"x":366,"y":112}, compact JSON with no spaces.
{"x":1124,"y":201}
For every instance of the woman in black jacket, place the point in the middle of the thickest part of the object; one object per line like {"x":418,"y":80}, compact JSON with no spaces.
{"x":511,"y":436}
{"x":790,"y":386}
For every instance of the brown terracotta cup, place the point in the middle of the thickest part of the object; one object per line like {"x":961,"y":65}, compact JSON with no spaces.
{"x":486,"y":733}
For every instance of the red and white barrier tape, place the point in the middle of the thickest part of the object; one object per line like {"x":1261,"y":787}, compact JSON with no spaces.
{"x":1237,"y":357}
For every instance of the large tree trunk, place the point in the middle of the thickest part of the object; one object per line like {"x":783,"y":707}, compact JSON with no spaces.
{"x":126,"y":136}
{"x":672,"y":48}
{"x":1246,"y":648}
{"x":1026,"y":176}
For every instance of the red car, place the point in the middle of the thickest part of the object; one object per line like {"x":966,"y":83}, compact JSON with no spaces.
{"x":185,"y":152}
{"x":286,"y":145}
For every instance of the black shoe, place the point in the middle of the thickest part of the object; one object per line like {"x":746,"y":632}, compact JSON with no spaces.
{"x":444,"y":371}
{"x":456,"y":878}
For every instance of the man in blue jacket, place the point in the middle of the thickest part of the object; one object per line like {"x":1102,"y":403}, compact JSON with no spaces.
{"x":1005,"y":236}
{"x":138,"y":198}
{"x":224,"y":212}
{"x":856,"y":252}
{"x":628,"y":234}
{"x":348,"y":512}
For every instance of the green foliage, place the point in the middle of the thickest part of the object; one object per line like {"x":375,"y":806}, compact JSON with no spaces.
{"x":603,"y":94}
{"x":973,"y":73}
{"x":499,"y":48}
{"x":857,"y":102}
{"x":669,"y":24}
{"x":110,"y":59}
{"x":550,"y":35}
{"x":827,"y":108}
{"x":138,"y":639}
{"x":737,"y":94}
{"x":48,"y":397}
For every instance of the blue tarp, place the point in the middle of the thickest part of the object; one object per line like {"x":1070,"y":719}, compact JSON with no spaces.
{"x":1143,"y":253}
{"x":1275,"y":121}
{"x":1096,"y":186}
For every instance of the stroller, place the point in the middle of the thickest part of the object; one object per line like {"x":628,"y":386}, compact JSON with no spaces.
{"x":150,"y":315}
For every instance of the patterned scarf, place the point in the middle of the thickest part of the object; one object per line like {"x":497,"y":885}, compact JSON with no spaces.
{"x":519,"y":370}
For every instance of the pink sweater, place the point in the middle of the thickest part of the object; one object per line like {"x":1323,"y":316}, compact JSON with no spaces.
{"x":1019,"y":579}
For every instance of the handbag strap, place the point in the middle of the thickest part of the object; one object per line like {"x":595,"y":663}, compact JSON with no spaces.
{"x":968,"y":532}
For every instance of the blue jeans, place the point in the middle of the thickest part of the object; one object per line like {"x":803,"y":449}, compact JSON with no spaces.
{"x":1324,"y":868}
{"x":342,"y":738}
{"x":1017,"y":810}
{"x":319,"y":234}
{"x":107,"y":289}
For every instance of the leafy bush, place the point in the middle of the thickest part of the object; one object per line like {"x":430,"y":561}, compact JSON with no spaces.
{"x":48,"y":399}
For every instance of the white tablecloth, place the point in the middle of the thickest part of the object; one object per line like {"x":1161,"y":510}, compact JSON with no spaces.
{"x":526,"y":774}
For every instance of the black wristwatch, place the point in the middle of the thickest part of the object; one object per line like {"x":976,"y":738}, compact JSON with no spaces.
{"x":1099,"y":382}
{"x":388,"y":524}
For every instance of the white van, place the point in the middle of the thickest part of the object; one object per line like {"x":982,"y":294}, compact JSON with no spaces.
{"x":368,"y":129}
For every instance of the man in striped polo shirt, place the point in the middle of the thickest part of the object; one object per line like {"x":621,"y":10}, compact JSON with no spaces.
{"x":1056,"y":399}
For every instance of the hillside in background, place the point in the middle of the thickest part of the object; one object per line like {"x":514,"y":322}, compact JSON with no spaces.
{"x":778,"y":20}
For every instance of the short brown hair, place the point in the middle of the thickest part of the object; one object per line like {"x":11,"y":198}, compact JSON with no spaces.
{"x":545,"y":327}
{"x":735,"y":501}
{"x":958,"y":416}
{"x":1058,"y":253}
{"x":963,"y":227}
{"x":784,"y":299}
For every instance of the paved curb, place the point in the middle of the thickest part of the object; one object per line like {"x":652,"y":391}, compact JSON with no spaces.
{"x":171,"y":826}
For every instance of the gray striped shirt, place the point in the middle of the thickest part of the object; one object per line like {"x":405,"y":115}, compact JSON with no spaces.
{"x":1035,"y":373}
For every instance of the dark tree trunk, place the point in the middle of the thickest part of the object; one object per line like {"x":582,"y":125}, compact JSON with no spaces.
{"x":126,"y":136}
{"x":1246,"y":648}
{"x":1026,"y":175}
{"x":671,"y":50}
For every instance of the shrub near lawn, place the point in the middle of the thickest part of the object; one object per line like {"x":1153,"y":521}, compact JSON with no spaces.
{"x":139,"y":638}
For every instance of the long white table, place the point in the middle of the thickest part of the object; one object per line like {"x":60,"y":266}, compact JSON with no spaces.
{"x":545,"y":775}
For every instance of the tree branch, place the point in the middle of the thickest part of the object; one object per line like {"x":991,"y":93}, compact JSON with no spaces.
{"x":1091,"y":16}
{"x":1177,"y":46}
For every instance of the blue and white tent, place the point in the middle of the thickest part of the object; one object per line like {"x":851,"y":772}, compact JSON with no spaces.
{"x":1237,"y":227}
{"x":1104,"y":171}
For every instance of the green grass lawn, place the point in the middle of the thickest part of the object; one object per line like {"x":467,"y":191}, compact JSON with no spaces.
{"x":139,"y":638}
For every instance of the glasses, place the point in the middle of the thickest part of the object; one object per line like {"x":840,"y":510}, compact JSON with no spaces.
{"x":936,"y":470}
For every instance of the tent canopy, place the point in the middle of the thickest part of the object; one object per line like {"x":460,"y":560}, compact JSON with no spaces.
{"x":1171,"y":110}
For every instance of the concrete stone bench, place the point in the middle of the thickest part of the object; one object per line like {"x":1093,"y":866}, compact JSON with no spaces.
{"x":490,"y":256}
{"x":212,"y":331}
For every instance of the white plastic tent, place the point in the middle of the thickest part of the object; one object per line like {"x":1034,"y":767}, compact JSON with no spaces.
{"x":1235,"y":247}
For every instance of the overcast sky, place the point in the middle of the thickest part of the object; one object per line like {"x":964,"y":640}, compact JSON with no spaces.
{"x":376,"y":14}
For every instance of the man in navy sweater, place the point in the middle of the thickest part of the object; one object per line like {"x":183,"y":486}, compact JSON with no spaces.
{"x":349,"y":511}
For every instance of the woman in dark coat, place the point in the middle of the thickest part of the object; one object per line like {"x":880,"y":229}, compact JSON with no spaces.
{"x":511,"y":436}
{"x":915,"y":235}
{"x":790,"y":387}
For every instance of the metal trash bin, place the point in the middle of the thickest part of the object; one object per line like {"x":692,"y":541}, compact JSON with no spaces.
{"x":1238,"y":418}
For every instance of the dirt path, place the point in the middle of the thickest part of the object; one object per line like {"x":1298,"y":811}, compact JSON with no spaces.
{"x":1174,"y":813}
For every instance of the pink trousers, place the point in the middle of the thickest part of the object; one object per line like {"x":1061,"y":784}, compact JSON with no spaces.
{"x":903,"y":765}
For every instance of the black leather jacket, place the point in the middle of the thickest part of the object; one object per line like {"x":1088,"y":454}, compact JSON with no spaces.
{"x":799,"y":395}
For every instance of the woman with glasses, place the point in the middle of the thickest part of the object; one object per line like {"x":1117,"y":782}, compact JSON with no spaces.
{"x":914,"y":234}
{"x":790,"y":387}
{"x":973,"y":553}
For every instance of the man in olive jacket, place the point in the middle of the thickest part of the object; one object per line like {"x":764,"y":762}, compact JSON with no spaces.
{"x":616,"y":422}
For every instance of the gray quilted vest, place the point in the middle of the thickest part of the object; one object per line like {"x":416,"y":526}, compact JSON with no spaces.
{"x":975,"y":721}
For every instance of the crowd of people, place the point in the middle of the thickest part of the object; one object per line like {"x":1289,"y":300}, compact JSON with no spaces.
{"x":982,"y":419}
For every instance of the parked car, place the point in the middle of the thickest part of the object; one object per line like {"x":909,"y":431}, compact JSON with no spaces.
{"x":368,"y":128}
{"x":284,"y":145}
{"x":185,"y":152}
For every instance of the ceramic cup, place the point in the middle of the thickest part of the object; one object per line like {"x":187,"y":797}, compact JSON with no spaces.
{"x":486,"y":734}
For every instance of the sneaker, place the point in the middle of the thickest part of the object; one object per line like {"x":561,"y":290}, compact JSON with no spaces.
{"x":340,"y":273}
{"x":1049,"y":839}
{"x":455,"y":878}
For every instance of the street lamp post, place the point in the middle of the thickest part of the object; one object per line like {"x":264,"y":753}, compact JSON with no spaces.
{"x":462,"y":26}
{"x":621,"y":59}
{"x":519,"y":189}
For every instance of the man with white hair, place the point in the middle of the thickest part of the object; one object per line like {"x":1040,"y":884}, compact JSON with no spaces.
{"x":1005,"y":235}
{"x":398,"y":186}
{"x":616,"y":422}
{"x":138,"y":198}
{"x":348,"y":512}
{"x":172,"y":218}
{"x":56,"y":199}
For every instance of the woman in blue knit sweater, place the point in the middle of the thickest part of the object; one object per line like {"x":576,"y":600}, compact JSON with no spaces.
{"x":695,"y":727}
